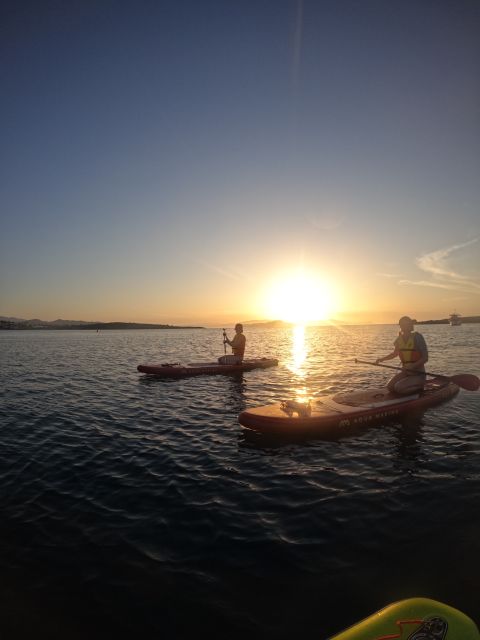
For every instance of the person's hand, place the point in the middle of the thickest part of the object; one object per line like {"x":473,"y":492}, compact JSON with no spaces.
{"x":378,"y":360}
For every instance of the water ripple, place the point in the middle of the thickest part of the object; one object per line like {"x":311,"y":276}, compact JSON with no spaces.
{"x":139,"y":505}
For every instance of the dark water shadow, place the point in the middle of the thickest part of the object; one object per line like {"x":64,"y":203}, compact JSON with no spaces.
{"x":226,"y":390}
{"x":152,"y":381}
{"x":235,"y":392}
{"x":408,"y":433}
{"x":250,"y":439}
{"x":409,"y":436}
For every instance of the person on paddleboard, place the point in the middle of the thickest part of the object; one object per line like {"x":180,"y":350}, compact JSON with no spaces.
{"x":237,"y":343}
{"x":411,"y":348}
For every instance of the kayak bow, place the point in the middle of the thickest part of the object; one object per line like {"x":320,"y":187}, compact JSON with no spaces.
{"x":413,"y":619}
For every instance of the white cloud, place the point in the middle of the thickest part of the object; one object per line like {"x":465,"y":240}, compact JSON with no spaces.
{"x":437,"y":264}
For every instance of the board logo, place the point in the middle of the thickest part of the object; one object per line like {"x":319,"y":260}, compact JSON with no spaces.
{"x":431,"y":629}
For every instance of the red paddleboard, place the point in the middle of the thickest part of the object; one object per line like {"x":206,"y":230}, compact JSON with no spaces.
{"x":343,"y":412}
{"x":177,"y":370}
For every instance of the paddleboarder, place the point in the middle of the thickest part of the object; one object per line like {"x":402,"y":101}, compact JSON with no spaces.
{"x":237,"y":343}
{"x":411,"y":348}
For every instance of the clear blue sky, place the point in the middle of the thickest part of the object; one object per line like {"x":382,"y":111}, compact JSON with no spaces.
{"x":164,"y":161}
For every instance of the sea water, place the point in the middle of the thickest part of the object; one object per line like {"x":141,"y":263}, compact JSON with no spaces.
{"x":138,"y":507}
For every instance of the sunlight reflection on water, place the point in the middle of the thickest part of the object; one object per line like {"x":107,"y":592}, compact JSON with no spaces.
{"x":297,"y":361}
{"x":299,"y":351}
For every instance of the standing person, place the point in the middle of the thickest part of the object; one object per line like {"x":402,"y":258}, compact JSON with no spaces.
{"x":411,"y":348}
{"x":238,"y":346}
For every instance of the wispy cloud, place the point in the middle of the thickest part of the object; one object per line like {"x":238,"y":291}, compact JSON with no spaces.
{"x":436,"y":263}
{"x":427,"y":283}
{"x":226,"y":273}
{"x":389,"y":275}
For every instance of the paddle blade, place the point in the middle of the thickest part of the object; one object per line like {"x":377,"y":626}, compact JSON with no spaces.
{"x":466,"y":381}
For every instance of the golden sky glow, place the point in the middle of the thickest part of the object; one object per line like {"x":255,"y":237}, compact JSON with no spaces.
{"x":300,"y":297}
{"x":196,"y":188}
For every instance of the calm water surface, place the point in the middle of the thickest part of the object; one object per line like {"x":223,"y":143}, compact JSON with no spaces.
{"x":138,"y":507}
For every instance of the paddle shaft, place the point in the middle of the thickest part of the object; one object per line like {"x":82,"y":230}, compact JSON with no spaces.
{"x":466,"y":380}
{"x":389,"y":366}
{"x":224,"y":342}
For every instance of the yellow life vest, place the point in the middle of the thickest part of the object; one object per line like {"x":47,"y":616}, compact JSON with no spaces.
{"x":406,"y":349}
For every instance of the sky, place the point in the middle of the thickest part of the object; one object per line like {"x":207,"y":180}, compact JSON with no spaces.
{"x":185,"y":162}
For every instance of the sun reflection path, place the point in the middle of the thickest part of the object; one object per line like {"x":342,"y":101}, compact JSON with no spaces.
{"x":296,"y":363}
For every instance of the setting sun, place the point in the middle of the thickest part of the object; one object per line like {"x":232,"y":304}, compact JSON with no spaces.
{"x":300,"y":298}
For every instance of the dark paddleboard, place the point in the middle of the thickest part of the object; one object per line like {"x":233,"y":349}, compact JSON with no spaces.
{"x":177,"y":370}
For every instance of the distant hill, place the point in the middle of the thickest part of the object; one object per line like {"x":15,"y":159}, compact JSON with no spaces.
{"x":11,"y":319}
{"x":62,"y":323}
{"x":35,"y":323}
{"x":267,"y":324}
{"x":464,"y":320}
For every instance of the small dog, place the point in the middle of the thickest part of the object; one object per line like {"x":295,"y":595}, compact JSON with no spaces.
{"x":302,"y":409}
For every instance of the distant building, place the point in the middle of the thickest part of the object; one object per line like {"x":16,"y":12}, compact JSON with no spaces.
{"x":454,"y":320}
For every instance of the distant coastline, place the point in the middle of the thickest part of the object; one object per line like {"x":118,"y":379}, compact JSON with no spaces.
{"x":9,"y":323}
{"x":465,"y":320}
{"x":18,"y":323}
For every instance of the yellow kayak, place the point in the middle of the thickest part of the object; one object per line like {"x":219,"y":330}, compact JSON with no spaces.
{"x":413,"y":619}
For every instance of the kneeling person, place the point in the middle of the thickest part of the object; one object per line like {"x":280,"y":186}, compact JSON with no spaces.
{"x":238,"y":346}
{"x":411,"y":348}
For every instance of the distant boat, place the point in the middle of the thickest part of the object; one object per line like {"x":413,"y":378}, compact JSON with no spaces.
{"x":455,"y":320}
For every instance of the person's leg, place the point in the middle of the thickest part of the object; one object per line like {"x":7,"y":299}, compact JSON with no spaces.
{"x":230,"y":359}
{"x":409,"y":384}
{"x":391,"y":383}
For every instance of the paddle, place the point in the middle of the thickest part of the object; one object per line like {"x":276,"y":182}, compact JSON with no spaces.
{"x":225,"y":342}
{"x":465,"y":380}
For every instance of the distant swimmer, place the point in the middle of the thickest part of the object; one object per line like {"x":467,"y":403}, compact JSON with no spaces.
{"x":237,"y":343}
{"x":411,"y":348}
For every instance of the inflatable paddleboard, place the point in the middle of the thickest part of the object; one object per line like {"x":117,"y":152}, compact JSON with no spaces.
{"x":343,"y":412}
{"x":177,"y":370}
{"x":413,"y":619}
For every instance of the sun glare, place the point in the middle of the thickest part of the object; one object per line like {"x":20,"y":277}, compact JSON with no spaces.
{"x":300,"y":298}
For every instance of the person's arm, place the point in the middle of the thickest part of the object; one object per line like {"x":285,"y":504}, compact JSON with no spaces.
{"x":227,"y":340}
{"x":389,"y":357}
{"x":235,"y":342}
